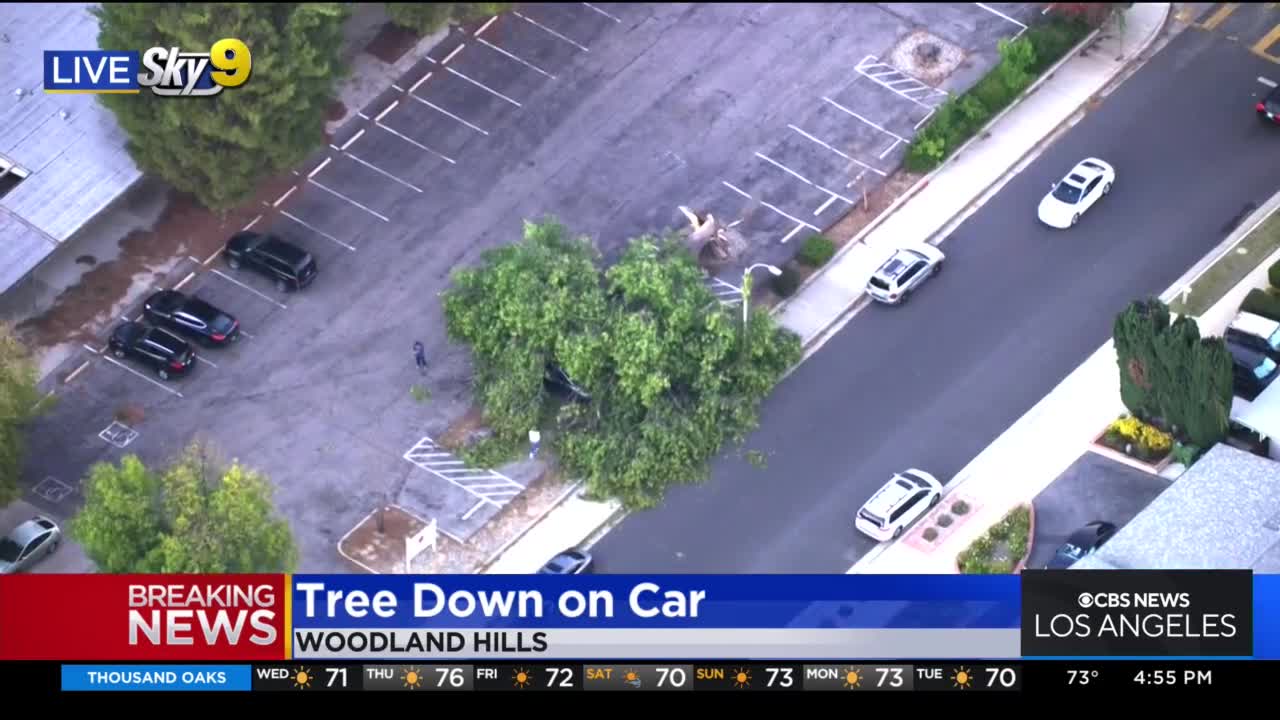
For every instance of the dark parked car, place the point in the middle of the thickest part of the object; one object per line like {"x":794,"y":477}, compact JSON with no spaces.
{"x":1252,"y":371}
{"x":192,"y":317}
{"x":557,"y":381}
{"x":1081,"y":544}
{"x":1269,"y":108}
{"x":287,"y":265}
{"x":569,"y":562}
{"x":166,"y":353}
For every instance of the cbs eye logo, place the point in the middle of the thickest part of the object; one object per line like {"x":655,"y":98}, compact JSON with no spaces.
{"x":171,"y":73}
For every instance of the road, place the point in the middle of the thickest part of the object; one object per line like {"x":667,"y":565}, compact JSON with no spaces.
{"x":1019,"y":306}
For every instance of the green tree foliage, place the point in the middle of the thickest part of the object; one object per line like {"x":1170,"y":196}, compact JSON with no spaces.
{"x":195,"y":516}
{"x":219,"y":149}
{"x":672,"y":375}
{"x":426,"y":18}
{"x":1168,"y":371}
{"x":18,"y":398}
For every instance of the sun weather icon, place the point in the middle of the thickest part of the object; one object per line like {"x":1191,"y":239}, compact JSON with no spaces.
{"x":302,"y":678}
{"x":520,"y":678}
{"x":962,"y":678}
{"x":412,"y":678}
{"x":852,"y":678}
{"x":632,"y":678}
{"x":742,"y":678}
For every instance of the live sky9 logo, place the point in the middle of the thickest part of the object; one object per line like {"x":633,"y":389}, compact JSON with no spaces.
{"x":172,"y":73}
{"x":167,"y":72}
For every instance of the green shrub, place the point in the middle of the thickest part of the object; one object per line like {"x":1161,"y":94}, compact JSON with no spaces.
{"x":786,"y":284}
{"x":816,"y":251}
{"x":1261,"y":302}
{"x":944,"y":520}
{"x":1185,"y":455}
{"x":930,"y":534}
{"x":1273,"y":275}
{"x":959,"y":507}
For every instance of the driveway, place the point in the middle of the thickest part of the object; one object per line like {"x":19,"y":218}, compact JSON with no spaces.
{"x":1093,"y":488}
{"x":608,"y":117}
{"x":931,"y":384}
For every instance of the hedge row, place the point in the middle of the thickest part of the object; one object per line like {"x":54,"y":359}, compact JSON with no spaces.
{"x":1021,"y":62}
{"x":1265,"y":302}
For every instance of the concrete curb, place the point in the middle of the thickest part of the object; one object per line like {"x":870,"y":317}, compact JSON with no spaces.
{"x":502,"y":549}
{"x":1245,"y":228}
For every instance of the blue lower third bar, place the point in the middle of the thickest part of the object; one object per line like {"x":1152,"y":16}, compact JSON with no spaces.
{"x":164,"y":678}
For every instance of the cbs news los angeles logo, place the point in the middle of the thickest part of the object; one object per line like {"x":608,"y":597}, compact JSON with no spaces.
{"x":167,"y":72}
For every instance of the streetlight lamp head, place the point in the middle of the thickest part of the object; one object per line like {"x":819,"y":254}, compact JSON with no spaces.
{"x":774,"y":271}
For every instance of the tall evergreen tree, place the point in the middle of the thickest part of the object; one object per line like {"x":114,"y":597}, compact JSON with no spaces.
{"x":218,"y":149}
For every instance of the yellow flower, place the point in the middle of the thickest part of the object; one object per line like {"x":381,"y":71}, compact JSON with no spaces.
{"x":1127,"y":427}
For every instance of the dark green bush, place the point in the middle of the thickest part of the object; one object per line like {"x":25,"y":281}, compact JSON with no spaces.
{"x":1261,"y":302}
{"x":945,"y":520}
{"x":816,"y":251}
{"x":960,"y":507}
{"x":1273,"y":275}
{"x":1021,"y":62}
{"x":786,"y":284}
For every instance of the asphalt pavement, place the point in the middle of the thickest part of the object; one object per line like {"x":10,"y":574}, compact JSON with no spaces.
{"x":930,"y":384}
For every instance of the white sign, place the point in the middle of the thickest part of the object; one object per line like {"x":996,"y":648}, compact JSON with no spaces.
{"x":416,"y":544}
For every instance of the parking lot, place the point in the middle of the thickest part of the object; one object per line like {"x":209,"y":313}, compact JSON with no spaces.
{"x":1093,"y":488}
{"x":606,"y":117}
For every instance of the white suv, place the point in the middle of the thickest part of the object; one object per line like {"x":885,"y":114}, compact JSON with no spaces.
{"x":907,"y":496}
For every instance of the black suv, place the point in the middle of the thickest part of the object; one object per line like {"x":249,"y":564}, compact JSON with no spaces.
{"x":289,"y":266}
{"x":192,"y":317}
{"x":1251,"y":371}
{"x":1269,"y":108}
{"x":556,"y":381}
{"x":166,"y":353}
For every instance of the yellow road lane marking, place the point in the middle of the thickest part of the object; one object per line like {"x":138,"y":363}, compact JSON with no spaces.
{"x":1261,"y":47}
{"x":1219,"y":16}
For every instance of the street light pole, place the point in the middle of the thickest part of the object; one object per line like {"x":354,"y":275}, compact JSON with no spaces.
{"x":746,"y":286}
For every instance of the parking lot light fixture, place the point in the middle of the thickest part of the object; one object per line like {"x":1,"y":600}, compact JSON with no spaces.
{"x":746,"y":286}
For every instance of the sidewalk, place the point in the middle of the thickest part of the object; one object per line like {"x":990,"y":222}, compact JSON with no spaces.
{"x":831,"y":297}
{"x":1051,"y":436}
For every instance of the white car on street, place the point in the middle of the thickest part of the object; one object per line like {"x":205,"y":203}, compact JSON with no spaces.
{"x":1074,"y":194}
{"x":908,"y":495}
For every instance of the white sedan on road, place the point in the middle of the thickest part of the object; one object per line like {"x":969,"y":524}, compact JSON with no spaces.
{"x":1071,"y":196}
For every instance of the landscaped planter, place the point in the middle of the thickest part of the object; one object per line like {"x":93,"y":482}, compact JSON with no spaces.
{"x":921,"y":539}
{"x":990,"y":553}
{"x":1108,"y":444}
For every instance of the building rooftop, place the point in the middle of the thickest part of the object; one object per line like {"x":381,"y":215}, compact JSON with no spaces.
{"x":1223,"y":513}
{"x":69,"y":146}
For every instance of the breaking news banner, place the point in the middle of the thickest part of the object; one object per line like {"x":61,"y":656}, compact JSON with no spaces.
{"x":227,"y":633}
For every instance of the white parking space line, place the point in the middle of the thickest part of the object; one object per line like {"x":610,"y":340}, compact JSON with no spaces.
{"x":484,"y":87}
{"x":185,"y":280}
{"x":1022,"y":27}
{"x":792,"y":218}
{"x":284,"y":197}
{"x":256,"y":219}
{"x":359,"y":134}
{"x":264,"y":296}
{"x":126,"y":368}
{"x":825,"y":205}
{"x":794,"y":231}
{"x":551,"y":32}
{"x":925,"y":119}
{"x":378,"y":170}
{"x":602,"y":12}
{"x":889,"y":77}
{"x":801,"y":178}
{"x":315,"y":229}
{"x":856,"y":161}
{"x":1268,"y":83}
{"x":485,"y":26}
{"x":452,"y":54}
{"x":737,"y":190}
{"x":206,"y":361}
{"x":448,"y":114}
{"x":245,"y":333}
{"x":340,"y":196}
{"x":378,"y":121}
{"x":93,"y":350}
{"x":77,"y":371}
{"x":522,"y":61}
{"x":874,"y":125}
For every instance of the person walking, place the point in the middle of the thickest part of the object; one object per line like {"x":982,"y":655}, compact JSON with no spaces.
{"x":420,"y":356}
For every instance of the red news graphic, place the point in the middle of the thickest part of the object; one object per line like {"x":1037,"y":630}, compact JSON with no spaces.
{"x":143,"y":617}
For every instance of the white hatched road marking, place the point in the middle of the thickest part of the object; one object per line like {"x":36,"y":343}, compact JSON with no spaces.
{"x":881,"y":173}
{"x":484,"y":87}
{"x":871,"y":68}
{"x":801,"y":178}
{"x":520,"y":60}
{"x":378,"y":121}
{"x":488,"y":486}
{"x":602,"y":12}
{"x":551,"y":32}
{"x":378,"y":170}
{"x":725,"y":292}
{"x":1022,"y":27}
